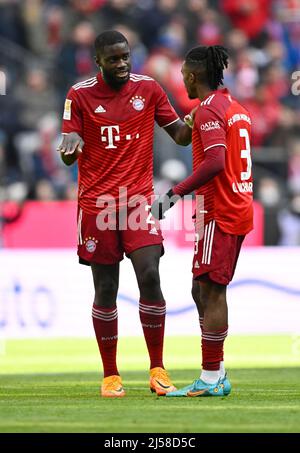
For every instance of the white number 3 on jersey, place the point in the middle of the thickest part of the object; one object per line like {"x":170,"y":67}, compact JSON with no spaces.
{"x":246,"y":154}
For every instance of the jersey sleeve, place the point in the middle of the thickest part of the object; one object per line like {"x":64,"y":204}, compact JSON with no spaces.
{"x":72,"y":116}
{"x":211,"y":126}
{"x":164,"y":112}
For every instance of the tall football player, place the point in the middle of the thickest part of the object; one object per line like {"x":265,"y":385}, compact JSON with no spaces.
{"x":108,"y":126}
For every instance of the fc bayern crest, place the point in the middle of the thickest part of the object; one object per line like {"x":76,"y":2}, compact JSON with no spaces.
{"x":138,"y":103}
{"x":90,"y":244}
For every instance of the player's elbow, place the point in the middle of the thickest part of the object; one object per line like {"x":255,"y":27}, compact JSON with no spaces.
{"x":218,"y":159}
{"x":220,"y":167}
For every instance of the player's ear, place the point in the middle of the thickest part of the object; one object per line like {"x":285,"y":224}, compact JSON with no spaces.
{"x":97,"y":60}
{"x":192,"y":77}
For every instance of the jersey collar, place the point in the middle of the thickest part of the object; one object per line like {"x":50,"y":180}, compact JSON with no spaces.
{"x":224,"y":91}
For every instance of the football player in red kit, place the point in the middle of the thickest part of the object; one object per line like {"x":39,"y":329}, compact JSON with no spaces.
{"x":222,"y":180}
{"x":108,"y":126}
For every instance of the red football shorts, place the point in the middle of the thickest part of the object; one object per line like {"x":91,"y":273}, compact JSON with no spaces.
{"x":216,"y":254}
{"x":104,"y":240}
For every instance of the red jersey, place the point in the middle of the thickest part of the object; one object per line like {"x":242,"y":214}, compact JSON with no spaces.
{"x":117,"y":128}
{"x":222,"y":121}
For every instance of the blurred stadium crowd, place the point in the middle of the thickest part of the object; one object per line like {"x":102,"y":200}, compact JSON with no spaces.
{"x":47,"y":46}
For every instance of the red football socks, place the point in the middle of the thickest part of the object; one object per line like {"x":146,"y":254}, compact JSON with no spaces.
{"x":213,"y":348}
{"x":152,"y":316}
{"x":105,"y":322}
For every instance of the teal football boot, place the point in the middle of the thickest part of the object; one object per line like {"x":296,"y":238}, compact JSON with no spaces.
{"x":199,"y":388}
{"x":225,"y":384}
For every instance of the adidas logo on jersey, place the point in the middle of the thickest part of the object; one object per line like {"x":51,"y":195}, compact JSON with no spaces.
{"x":196,"y":265}
{"x":100,"y":109}
{"x":153,"y":231}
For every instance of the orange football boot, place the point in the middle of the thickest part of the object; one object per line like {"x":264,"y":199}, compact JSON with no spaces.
{"x":112,"y":387}
{"x":160,"y":382}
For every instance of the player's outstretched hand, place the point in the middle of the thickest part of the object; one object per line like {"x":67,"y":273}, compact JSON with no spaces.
{"x":70,"y":144}
{"x":189,"y":118}
{"x":163,"y":203}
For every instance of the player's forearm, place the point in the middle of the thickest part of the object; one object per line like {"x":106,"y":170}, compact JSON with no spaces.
{"x":212,"y":165}
{"x":180,"y":132}
{"x":183,"y":134}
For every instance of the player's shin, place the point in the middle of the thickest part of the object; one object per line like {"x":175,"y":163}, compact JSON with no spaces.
{"x":105,"y":321}
{"x":222,"y":371}
{"x":212,"y":354}
{"x":152,"y":316}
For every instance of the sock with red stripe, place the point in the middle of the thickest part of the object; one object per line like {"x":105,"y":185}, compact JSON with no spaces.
{"x":212,"y":354}
{"x":222,"y":370}
{"x":105,"y":322}
{"x":152,"y":316}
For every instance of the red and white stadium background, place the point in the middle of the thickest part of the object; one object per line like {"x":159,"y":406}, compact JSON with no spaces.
{"x":44,"y":292}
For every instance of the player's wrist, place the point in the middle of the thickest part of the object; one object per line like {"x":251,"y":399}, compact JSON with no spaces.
{"x":173,"y":197}
{"x":170,"y":193}
{"x":163,"y":204}
{"x":189,"y":121}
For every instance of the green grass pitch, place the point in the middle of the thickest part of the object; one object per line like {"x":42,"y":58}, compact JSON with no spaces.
{"x":53,"y":386}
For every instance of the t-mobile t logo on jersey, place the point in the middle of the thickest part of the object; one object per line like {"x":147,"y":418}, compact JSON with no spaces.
{"x":111,"y":135}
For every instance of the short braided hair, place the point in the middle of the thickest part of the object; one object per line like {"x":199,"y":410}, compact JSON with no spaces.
{"x":213,"y":60}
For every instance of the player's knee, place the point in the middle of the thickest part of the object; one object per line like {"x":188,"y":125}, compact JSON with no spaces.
{"x":205,"y":302}
{"x":210,"y":301}
{"x":149,"y":278}
{"x":196,"y":294}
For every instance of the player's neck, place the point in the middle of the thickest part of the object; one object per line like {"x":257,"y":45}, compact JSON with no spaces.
{"x":203,"y":92}
{"x":110,"y":84}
